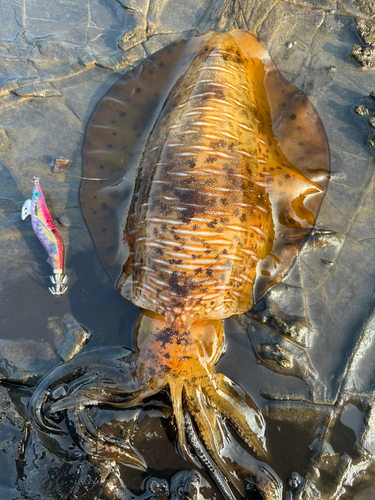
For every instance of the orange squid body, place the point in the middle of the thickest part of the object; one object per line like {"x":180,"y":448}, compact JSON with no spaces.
{"x":216,"y":199}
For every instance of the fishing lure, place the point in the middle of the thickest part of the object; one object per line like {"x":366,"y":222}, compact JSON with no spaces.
{"x":48,"y":235}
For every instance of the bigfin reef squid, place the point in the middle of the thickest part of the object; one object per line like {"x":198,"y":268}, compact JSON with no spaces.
{"x":214,"y":168}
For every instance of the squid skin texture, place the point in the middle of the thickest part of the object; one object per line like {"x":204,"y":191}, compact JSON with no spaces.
{"x":232,"y":168}
{"x":218,"y":209}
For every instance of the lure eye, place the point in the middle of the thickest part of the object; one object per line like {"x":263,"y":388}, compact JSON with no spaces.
{"x":37,"y":194}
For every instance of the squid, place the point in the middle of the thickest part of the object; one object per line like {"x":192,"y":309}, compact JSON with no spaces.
{"x":229,"y":165}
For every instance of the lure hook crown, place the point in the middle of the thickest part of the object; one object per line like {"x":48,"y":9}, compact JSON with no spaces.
{"x":59,"y":280}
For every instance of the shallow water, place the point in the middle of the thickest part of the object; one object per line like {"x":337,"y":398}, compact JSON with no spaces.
{"x":316,"y":410}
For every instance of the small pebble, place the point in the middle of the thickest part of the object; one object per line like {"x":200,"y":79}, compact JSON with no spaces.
{"x":361,"y":110}
{"x":60,"y":165}
{"x":295,"y":480}
{"x":64,"y":221}
{"x":290,"y":45}
{"x":327,"y":262}
{"x":372,"y":122}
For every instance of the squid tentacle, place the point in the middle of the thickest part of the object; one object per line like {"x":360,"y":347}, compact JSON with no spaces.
{"x":176,"y":396}
{"x":37,"y":408}
{"x":99,"y":444}
{"x":229,"y":399}
{"x":154,"y":386}
{"x":206,"y":459}
{"x":206,"y":421}
{"x":228,"y":455}
{"x":122,"y":378}
{"x":80,"y":381}
{"x":92,"y":394}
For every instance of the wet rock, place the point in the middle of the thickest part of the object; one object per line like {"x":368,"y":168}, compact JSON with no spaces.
{"x":8,"y":205}
{"x":3,"y":139}
{"x":361,"y":110}
{"x":365,"y":56}
{"x":157,"y":488}
{"x":189,"y":485}
{"x":283,"y":309}
{"x":136,"y":33}
{"x":25,"y":361}
{"x":335,"y":463}
{"x":113,"y":486}
{"x":46,"y":477}
{"x":29,"y":469}
{"x":325,"y":479}
{"x":364,"y":6}
{"x":155,"y":18}
{"x":305,"y":424}
{"x":286,"y":360}
{"x":131,"y":57}
{"x":11,"y":425}
{"x":63,"y":221}
{"x":355,"y":419}
{"x":367,"y":440}
{"x":158,"y":41}
{"x":275,"y":354}
{"x":295,"y":481}
{"x":37,"y":90}
{"x":367,"y":113}
{"x":360,"y":372}
{"x":319,"y":256}
{"x":322,"y":447}
{"x":59,"y":52}
{"x":70,"y":337}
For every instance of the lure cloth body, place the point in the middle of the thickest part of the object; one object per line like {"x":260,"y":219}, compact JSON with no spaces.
{"x":48,"y":235}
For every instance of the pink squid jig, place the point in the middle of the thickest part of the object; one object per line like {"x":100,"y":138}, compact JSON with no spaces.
{"x":48,"y":235}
